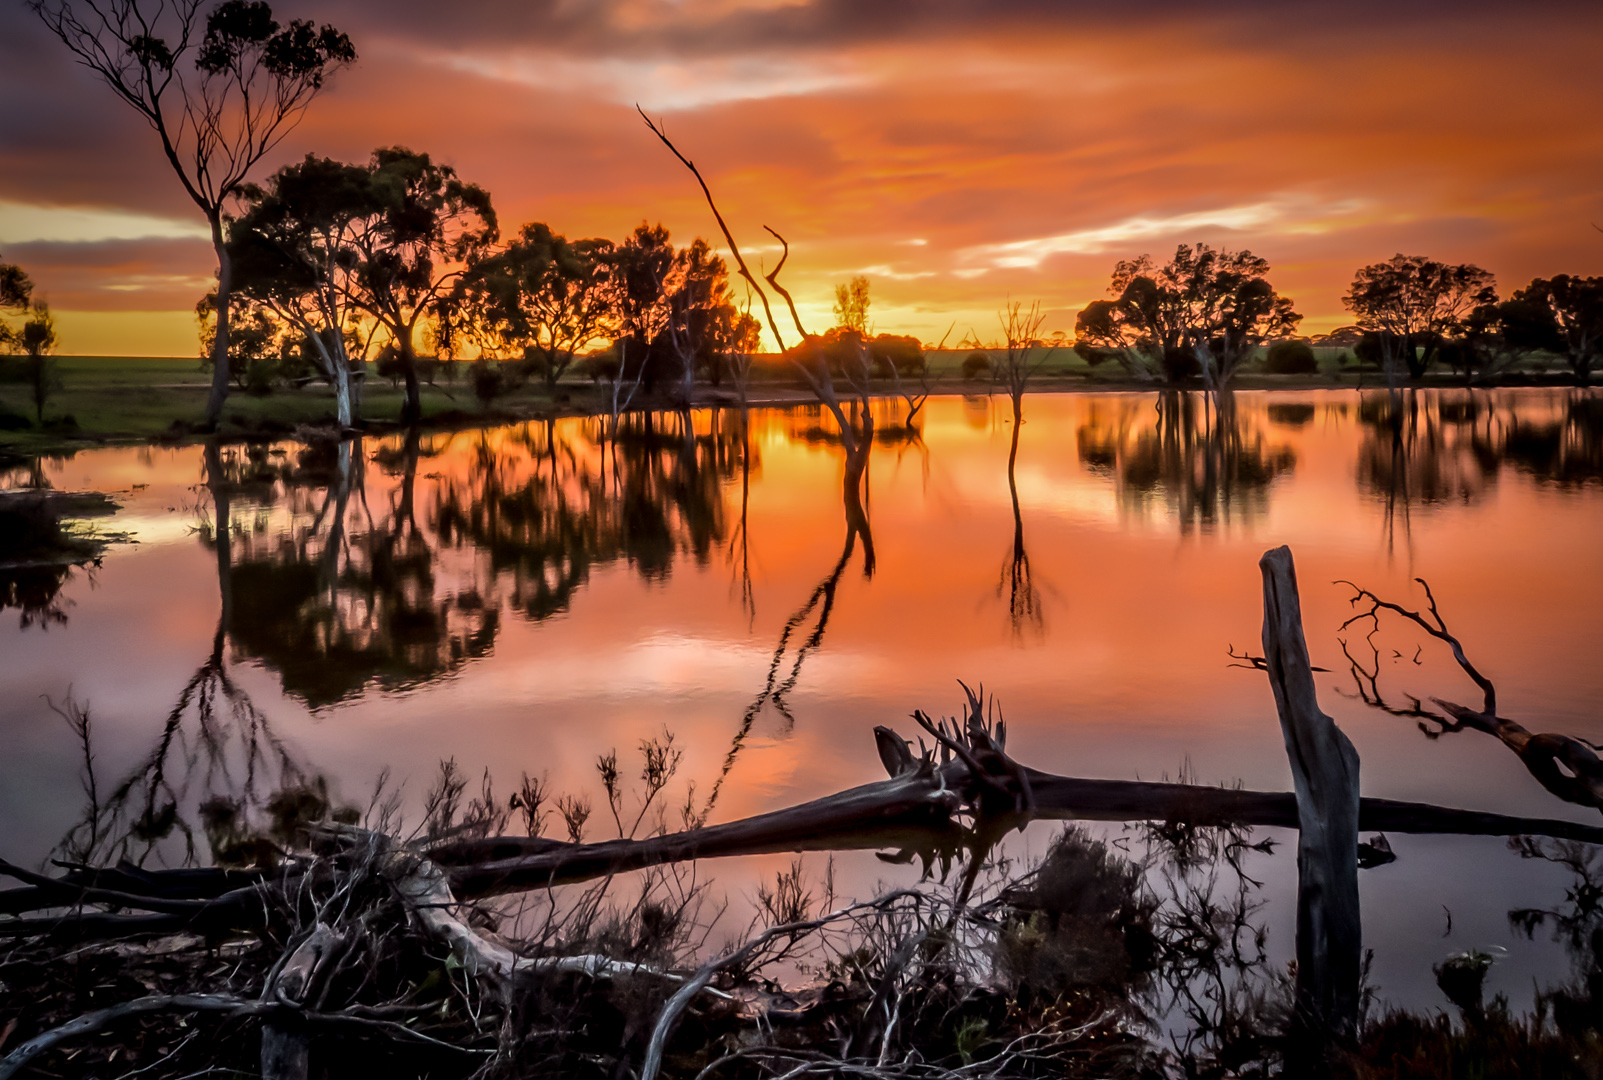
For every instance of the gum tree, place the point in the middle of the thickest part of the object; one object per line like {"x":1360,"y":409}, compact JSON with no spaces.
{"x":220,"y":89}
{"x":543,"y":295}
{"x":294,"y":251}
{"x":426,"y":226}
{"x":1412,"y":304}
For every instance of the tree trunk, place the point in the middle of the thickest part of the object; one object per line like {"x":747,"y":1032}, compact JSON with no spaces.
{"x":412,"y":408}
{"x":1324,"y":771}
{"x":225,"y":292}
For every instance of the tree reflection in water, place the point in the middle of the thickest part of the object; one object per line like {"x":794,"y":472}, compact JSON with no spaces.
{"x":546,"y":514}
{"x":1430,"y":447}
{"x":1207,"y":465}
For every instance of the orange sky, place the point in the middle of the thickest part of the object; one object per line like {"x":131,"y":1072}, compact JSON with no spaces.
{"x":957,"y":153}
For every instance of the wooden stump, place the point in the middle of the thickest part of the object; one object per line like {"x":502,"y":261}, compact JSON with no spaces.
{"x":1324,"y":770}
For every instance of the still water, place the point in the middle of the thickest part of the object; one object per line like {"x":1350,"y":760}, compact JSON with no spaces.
{"x":525,"y":599}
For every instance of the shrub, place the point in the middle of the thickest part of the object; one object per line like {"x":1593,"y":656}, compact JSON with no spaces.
{"x":976,"y":363}
{"x":488,"y":380}
{"x":1292,"y":358}
{"x":899,"y":351}
{"x":1092,"y":354}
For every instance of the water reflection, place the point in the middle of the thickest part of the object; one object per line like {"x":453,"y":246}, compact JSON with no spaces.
{"x":552,"y":504}
{"x":342,"y":597}
{"x":1207,"y":465}
{"x":1427,"y":448}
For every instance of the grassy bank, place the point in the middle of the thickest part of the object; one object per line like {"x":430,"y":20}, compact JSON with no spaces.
{"x":121,"y":400}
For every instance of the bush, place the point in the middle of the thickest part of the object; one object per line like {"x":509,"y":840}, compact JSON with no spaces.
{"x":1292,"y":358}
{"x":976,"y":363}
{"x":1091,"y":354}
{"x":489,"y":381}
{"x":904,"y":353}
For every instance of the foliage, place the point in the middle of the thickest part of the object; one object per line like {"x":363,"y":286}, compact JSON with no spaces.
{"x":1410,"y":305}
{"x":16,"y":289}
{"x":427,"y":224}
{"x":851,"y":305}
{"x":488,"y":379}
{"x":1564,"y":315}
{"x":1203,"y":312}
{"x":542,"y":297}
{"x":976,"y":364}
{"x":38,"y":340}
{"x":1291,"y":357}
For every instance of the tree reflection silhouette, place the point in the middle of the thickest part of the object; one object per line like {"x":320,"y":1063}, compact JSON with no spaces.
{"x":1023,"y":595}
{"x":1424,"y":448}
{"x":1209,"y":465}
{"x":809,"y":623}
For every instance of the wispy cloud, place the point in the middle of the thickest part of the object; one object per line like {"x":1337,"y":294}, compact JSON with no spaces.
{"x":21,"y":223}
{"x":1284,"y":216}
{"x":661,"y":84}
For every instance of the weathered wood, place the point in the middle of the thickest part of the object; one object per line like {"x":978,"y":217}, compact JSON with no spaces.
{"x":1324,"y":772}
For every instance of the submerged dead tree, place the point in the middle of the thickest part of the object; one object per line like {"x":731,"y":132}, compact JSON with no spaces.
{"x":1567,"y":767}
{"x":1324,"y":770}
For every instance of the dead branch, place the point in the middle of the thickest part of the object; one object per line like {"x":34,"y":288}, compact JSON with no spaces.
{"x":1567,"y":767}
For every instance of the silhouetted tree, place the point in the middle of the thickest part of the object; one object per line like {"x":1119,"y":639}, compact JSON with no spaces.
{"x":851,"y":305}
{"x":38,"y":340}
{"x":427,"y":224}
{"x":1564,"y":315}
{"x":1412,"y":304}
{"x":542,"y":297}
{"x":16,"y":289}
{"x":1203,"y":312}
{"x":252,"y":80}
{"x":296,"y":255}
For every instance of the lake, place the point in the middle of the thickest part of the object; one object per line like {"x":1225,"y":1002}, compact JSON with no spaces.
{"x":526,"y":599}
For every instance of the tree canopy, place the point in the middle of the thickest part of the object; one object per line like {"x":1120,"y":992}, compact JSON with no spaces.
{"x":220,"y":93}
{"x":1413,"y":305}
{"x":1202,"y":312}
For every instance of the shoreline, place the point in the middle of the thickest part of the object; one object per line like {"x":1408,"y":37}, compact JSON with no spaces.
{"x":581,"y":401}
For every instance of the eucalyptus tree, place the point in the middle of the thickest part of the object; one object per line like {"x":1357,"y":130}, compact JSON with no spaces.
{"x":295,"y":254}
{"x":1565,"y":317}
{"x":1204,"y":312}
{"x":16,"y":290}
{"x":643,"y":269}
{"x":220,"y":90}
{"x":543,"y":296}
{"x":426,"y":226}
{"x":1412,"y":304}
{"x":699,"y":312}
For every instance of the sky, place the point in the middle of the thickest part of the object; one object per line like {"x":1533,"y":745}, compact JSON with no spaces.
{"x":958,"y":153}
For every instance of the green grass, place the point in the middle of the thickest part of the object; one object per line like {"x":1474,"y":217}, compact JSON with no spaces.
{"x":135,"y":399}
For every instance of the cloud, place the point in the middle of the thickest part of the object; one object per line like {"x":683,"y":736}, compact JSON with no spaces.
{"x":21,"y":223}
{"x":660,"y":84}
{"x":1277,"y":216}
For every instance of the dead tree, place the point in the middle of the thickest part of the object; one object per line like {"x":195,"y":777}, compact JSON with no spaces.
{"x":856,"y":430}
{"x":1324,"y":771}
{"x":1565,"y":766}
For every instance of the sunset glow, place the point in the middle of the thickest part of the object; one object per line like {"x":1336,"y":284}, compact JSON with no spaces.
{"x":956,"y":154}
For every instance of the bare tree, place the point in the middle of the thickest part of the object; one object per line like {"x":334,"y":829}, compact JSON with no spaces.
{"x":219,"y":93}
{"x":857,"y":430}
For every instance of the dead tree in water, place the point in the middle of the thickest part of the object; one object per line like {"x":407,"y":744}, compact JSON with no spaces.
{"x":857,"y":429}
{"x":1565,"y":766}
{"x":1324,"y":770}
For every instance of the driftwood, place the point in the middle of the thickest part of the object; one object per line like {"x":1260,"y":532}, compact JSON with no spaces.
{"x":1324,"y":770}
{"x":1567,"y":767}
{"x":926,"y":809}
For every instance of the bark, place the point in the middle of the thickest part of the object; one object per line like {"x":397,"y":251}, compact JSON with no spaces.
{"x":225,"y":292}
{"x":1324,"y":770}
